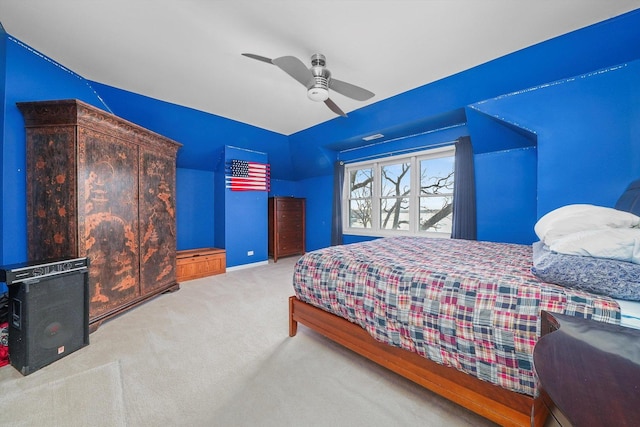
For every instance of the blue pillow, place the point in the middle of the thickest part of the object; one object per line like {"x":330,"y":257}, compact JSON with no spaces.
{"x":629,"y":201}
{"x":602,"y":276}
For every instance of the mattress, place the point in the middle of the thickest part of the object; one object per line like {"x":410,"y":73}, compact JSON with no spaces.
{"x":629,"y":313}
{"x":470,"y":305}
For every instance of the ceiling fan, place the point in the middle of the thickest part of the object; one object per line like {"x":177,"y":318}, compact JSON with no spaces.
{"x":316,"y":79}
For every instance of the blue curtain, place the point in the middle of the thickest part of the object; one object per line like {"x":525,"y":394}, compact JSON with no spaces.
{"x":336,"y":218}
{"x":464,"y":192}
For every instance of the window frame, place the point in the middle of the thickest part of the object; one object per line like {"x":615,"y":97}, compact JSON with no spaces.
{"x":414,"y":159}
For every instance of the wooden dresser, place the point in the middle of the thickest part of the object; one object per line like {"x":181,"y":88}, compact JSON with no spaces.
{"x":196,"y":263}
{"x":103,"y":188}
{"x":286,"y":226}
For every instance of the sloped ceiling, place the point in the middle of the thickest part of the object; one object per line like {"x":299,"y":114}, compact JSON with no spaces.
{"x":188,"y":52}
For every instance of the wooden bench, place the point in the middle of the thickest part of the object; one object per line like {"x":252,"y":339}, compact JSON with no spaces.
{"x":196,"y":263}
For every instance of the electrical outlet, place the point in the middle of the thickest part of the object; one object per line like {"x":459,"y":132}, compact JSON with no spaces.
{"x":249,"y":253}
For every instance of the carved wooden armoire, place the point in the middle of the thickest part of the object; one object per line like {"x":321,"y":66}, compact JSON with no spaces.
{"x":101,"y":187}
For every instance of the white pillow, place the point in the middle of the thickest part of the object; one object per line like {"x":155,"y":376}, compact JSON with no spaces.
{"x":581,"y":217}
{"x":622,"y":244}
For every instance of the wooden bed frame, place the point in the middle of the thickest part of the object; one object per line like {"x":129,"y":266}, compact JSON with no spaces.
{"x":495,"y":403}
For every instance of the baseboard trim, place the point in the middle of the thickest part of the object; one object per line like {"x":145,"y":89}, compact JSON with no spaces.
{"x":243,"y":266}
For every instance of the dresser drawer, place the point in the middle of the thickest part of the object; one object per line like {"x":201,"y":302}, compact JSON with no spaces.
{"x":289,"y":204}
{"x":290,"y":236}
{"x":289,"y":244}
{"x":290,"y":227}
{"x":289,"y":216}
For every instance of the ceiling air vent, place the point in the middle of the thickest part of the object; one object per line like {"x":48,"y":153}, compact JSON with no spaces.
{"x":372,"y":137}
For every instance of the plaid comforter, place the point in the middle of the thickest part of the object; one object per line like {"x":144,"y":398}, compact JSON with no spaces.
{"x":466,"y":304}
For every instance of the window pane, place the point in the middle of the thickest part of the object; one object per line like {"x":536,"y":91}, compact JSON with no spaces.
{"x":360,"y":213}
{"x":396,"y":180}
{"x":394,"y":213}
{"x":361,"y":183}
{"x":436,"y":213}
{"x":382,"y":196}
{"x":436,"y":176}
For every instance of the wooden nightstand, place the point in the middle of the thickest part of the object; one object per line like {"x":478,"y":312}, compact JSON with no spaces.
{"x":590,"y":370}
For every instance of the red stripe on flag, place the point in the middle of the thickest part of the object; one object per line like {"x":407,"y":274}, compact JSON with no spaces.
{"x":245,"y":179}
{"x":245,"y":176}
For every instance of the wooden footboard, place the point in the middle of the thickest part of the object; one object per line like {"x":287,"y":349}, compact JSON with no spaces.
{"x":490,"y":401}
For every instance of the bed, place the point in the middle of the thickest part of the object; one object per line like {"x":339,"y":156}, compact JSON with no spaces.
{"x":458,"y":317}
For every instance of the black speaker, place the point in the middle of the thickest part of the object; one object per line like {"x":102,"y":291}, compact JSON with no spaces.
{"x":48,"y":317}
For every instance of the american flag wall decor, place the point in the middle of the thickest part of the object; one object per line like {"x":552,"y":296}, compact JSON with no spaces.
{"x":241,"y":175}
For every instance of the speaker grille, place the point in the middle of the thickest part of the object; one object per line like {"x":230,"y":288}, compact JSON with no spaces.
{"x":48,"y":319}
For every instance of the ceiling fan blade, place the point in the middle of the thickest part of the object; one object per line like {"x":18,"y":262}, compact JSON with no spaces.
{"x":295,"y":68}
{"x":258,"y":57}
{"x":349,"y":90}
{"x":333,"y":107}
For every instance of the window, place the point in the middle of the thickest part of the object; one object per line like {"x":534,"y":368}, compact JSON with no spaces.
{"x":409,"y":194}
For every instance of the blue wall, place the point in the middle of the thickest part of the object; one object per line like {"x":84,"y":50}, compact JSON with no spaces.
{"x":552,"y":124}
{"x":195,"y":214}
{"x":318,"y":193}
{"x":506,"y":195}
{"x":588,"y":134}
{"x":203,"y":135}
{"x":3,"y":44}
{"x":3,"y":54}
{"x":29,"y":76}
{"x":285,"y":188}
{"x":244,"y":215}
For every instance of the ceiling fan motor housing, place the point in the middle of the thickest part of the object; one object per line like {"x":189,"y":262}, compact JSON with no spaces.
{"x":319,"y":85}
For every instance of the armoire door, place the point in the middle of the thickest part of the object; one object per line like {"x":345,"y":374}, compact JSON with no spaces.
{"x":157,"y":221}
{"x":51,"y":193}
{"x":108,"y":220}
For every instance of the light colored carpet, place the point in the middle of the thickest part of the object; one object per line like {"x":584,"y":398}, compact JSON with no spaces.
{"x":34,"y":401}
{"x":217,"y":353}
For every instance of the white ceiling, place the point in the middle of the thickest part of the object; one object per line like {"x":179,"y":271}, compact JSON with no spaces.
{"x":188,"y":52}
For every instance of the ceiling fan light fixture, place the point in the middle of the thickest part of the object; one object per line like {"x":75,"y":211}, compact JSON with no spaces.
{"x":318,"y":94}
{"x":317,"y":79}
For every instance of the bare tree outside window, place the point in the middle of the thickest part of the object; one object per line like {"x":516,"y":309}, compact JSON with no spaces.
{"x":360,"y":193}
{"x":394,"y":201}
{"x":436,"y":194}
{"x":391,"y":197}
